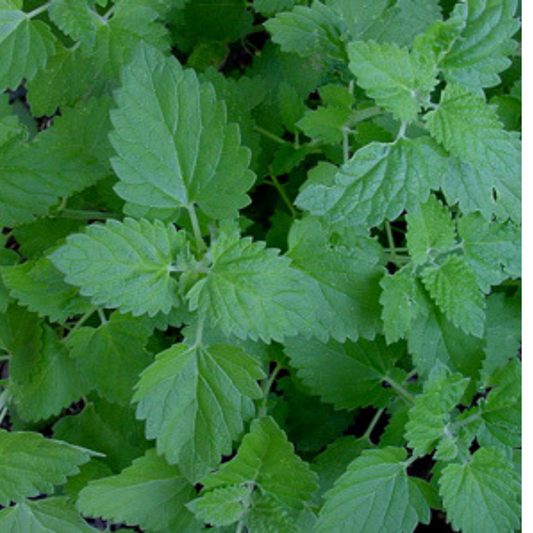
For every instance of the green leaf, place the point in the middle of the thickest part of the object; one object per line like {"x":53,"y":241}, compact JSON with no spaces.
{"x":266,"y":460}
{"x":347,"y":375}
{"x":250,"y":291}
{"x":482,"y":493}
{"x":55,"y":515}
{"x":271,"y":7}
{"x":25,"y":45}
{"x":126,"y":264}
{"x":503,"y":331}
{"x":325,"y":124}
{"x":401,"y":304}
{"x":195,"y":401}
{"x":44,"y":383}
{"x":182,"y":155}
{"x":66,"y":158}
{"x":378,"y":183}
{"x":487,"y":177}
{"x":112,"y":356}
{"x":222,"y":507}
{"x":480,"y":54}
{"x":31,"y":465}
{"x":375,"y":494}
{"x":493,"y":250}
{"x":308,"y":31}
{"x":39,"y":286}
{"x":108,"y":428}
{"x":75,"y":19}
{"x":453,"y":287}
{"x":345,"y":269}
{"x":430,"y":415}
{"x":430,"y":230}
{"x":149,"y":494}
{"x":398,"y":80}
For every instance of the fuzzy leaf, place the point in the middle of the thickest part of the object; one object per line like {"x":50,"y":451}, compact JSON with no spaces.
{"x":149,"y":494}
{"x":375,"y":494}
{"x":182,"y":155}
{"x":31,"y":465}
{"x":195,"y":401}
{"x":482,"y":494}
{"x":124,"y":264}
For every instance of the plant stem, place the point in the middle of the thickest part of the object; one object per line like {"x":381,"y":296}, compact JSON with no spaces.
{"x":83,"y":319}
{"x":402,"y":391}
{"x":284,"y":196}
{"x":390,"y":238}
{"x":266,"y":389}
{"x":270,"y":135}
{"x":38,"y":10}
{"x":200,"y":244}
{"x":372,"y":425}
{"x":345,"y":144}
{"x":469,"y":420}
{"x":101,"y":314}
{"x":365,"y":114}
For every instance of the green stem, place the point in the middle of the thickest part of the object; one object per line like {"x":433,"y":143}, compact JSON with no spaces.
{"x":365,"y":114}
{"x":102,"y":316}
{"x":200,"y":244}
{"x":284,"y":196}
{"x":402,"y":391}
{"x":410,"y":461}
{"x":84,"y":319}
{"x":345,"y":144}
{"x":270,"y":135}
{"x":266,"y":389}
{"x":372,"y":425}
{"x":38,"y":10}
{"x":469,"y":420}
{"x":390,"y":238}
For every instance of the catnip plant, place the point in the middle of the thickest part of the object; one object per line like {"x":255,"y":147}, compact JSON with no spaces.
{"x":260,"y":266}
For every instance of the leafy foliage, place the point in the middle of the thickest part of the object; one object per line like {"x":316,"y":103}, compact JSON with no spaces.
{"x":260,"y":265}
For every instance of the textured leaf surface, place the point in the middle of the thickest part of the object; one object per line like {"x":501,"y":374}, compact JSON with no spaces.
{"x":398,"y":80}
{"x":195,"y":400}
{"x":124,"y":264}
{"x":480,"y":54}
{"x":222,"y":507}
{"x":39,"y":286}
{"x":45,"y":382}
{"x":25,"y":45}
{"x":490,"y":172}
{"x":482,"y":494}
{"x":112,"y":356}
{"x":430,"y":230}
{"x":430,"y":414}
{"x":375,"y":494}
{"x":150,"y":494}
{"x":250,"y":291}
{"x":378,"y":183}
{"x":52,"y":515}
{"x":31,"y":465}
{"x":267,"y":459}
{"x":182,"y":154}
{"x":345,"y":268}
{"x":453,"y":287}
{"x":75,"y":18}
{"x":347,"y":375}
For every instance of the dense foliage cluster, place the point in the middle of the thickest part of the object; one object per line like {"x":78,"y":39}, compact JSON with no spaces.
{"x":260,"y":265}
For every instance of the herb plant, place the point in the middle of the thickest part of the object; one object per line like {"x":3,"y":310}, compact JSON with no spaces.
{"x":260,"y":266}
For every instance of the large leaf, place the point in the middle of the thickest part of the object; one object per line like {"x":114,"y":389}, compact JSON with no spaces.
{"x":482,"y":494}
{"x":378,"y":183}
{"x":125,"y":264}
{"x":75,"y":18}
{"x":250,"y":291}
{"x":150,"y":494}
{"x":31,"y":465}
{"x":347,"y":375}
{"x":195,"y":401}
{"x":182,"y":154}
{"x":25,"y":45}
{"x":375,"y":494}
{"x":112,"y":356}
{"x":480,"y":53}
{"x":397,"y":79}
{"x":55,"y":515}
{"x":488,"y":175}
{"x":346,"y":269}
